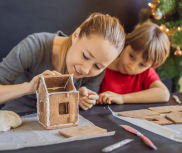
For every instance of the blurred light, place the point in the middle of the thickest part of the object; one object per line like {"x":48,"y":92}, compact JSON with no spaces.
{"x":167,"y":30}
{"x":149,"y":4}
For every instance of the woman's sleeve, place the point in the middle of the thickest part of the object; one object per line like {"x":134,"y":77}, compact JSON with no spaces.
{"x":22,"y":57}
{"x":93,"y":83}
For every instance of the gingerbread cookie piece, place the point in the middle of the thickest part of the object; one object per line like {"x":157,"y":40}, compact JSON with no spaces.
{"x":81,"y":131}
{"x":158,"y":120}
{"x":166,"y":109}
{"x":175,"y":117}
{"x":138,"y":113}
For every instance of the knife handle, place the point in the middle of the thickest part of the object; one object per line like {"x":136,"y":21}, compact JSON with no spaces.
{"x":130,"y":129}
{"x":148,"y":142}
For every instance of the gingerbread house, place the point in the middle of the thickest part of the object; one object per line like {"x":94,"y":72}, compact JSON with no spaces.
{"x":57,"y":102}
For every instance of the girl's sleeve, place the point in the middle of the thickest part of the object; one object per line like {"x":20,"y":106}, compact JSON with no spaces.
{"x":22,"y":57}
{"x":93,"y":83}
{"x":149,"y":77}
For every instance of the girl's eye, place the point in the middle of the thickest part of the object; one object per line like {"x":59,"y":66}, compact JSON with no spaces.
{"x":85,"y":56}
{"x":131,"y":55}
{"x":97,"y":67}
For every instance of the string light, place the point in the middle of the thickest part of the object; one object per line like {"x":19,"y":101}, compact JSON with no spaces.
{"x":149,"y":4}
{"x":161,"y":27}
{"x":167,"y":30}
{"x":152,"y":5}
{"x":179,"y":28}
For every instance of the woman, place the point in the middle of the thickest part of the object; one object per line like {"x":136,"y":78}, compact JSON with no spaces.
{"x":86,"y":53}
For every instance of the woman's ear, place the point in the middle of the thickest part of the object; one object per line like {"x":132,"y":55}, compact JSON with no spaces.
{"x":75,"y":35}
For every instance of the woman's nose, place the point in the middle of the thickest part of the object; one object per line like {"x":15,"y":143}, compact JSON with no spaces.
{"x":86,"y":69}
{"x":131,"y":67}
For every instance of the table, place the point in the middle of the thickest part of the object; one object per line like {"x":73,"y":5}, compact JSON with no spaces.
{"x":102,"y":117}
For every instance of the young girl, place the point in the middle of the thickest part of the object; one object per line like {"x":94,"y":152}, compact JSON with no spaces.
{"x":86,"y":53}
{"x":131,"y":78}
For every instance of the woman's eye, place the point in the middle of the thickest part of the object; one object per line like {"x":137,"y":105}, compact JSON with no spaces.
{"x":97,"y":67}
{"x":85,"y":56}
{"x":131,"y":55}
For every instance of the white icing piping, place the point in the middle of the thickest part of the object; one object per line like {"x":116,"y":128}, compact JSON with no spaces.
{"x":37,"y":95}
{"x":47,"y":102}
{"x":48,"y":110}
{"x":73,"y":83}
{"x":67,"y":82}
{"x":67,"y":92}
{"x":44,"y":84}
{"x":60,"y":124}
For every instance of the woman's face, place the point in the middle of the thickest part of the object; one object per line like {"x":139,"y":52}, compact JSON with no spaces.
{"x":89,"y":56}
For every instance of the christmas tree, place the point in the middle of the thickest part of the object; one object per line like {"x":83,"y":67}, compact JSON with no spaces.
{"x":168,"y":15}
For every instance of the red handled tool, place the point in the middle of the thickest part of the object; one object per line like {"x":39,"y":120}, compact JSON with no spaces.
{"x":145,"y":139}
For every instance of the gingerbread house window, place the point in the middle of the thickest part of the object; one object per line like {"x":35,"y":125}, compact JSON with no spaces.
{"x":63,"y":108}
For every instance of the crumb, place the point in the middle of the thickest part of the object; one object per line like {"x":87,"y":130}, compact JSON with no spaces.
{"x":25,"y":142}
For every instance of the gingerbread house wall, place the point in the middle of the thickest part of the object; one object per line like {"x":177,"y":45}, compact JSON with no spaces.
{"x":42,"y":104}
{"x":61,"y":101}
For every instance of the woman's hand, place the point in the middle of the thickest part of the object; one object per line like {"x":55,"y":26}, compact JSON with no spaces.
{"x":87,"y":98}
{"x":108,"y":97}
{"x":32,"y":85}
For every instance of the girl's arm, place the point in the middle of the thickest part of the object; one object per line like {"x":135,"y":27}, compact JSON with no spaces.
{"x":157,"y":92}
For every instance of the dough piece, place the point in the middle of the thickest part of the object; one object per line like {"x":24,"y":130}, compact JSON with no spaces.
{"x":9,"y":119}
{"x":81,"y":131}
{"x":158,"y":120}
{"x":166,"y":109}
{"x":138,"y":113}
{"x":175,"y":117}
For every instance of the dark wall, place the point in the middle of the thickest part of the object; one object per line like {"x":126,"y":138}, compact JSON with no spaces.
{"x":19,"y":18}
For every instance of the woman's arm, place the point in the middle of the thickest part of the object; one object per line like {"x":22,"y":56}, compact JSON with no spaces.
{"x":10,"y":92}
{"x":157,"y":92}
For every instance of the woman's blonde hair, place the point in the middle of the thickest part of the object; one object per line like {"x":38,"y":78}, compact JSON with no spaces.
{"x":149,"y":39}
{"x":102,"y":25}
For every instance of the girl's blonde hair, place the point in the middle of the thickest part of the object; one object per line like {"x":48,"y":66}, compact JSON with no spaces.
{"x":102,"y":25}
{"x":149,"y":39}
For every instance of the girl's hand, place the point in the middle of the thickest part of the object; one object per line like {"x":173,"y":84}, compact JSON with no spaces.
{"x":32,"y":85}
{"x":87,"y":98}
{"x":108,"y":97}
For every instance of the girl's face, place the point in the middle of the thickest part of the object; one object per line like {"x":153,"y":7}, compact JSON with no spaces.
{"x":89,"y":56}
{"x":131,"y":62}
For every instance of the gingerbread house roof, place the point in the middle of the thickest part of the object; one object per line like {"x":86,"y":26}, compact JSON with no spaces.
{"x":57,"y":83}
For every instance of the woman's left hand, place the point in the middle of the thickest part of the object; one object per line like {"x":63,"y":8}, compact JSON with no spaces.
{"x":87,"y":98}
